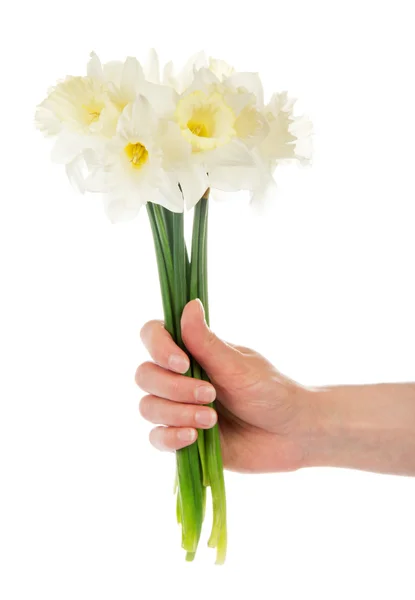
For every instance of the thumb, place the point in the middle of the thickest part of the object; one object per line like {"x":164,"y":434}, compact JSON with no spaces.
{"x":213,"y":354}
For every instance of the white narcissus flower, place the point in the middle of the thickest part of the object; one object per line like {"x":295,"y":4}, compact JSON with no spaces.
{"x":289,"y":136}
{"x":206,"y":121}
{"x":288,"y":140}
{"x":126,"y":80}
{"x":80,"y":111}
{"x":184,"y":173}
{"x":221,"y":119}
{"x":129,"y":169}
{"x":76,"y":111}
{"x":76,"y":103}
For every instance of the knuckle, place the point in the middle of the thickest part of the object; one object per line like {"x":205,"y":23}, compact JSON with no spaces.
{"x":145,"y":406}
{"x":187,"y":417}
{"x":210,"y":339}
{"x":141,"y":373}
{"x":176,"y":386}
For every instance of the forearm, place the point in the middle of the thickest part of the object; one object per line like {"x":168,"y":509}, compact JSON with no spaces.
{"x":369,"y":427}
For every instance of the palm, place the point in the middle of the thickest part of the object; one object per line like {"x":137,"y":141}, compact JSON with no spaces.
{"x":257,"y":412}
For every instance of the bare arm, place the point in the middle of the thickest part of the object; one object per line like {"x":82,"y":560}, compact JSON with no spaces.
{"x":368,"y":427}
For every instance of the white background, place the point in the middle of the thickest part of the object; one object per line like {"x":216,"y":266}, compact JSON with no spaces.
{"x":323,"y":286}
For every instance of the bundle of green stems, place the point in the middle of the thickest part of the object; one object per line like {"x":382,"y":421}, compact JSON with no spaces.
{"x":199,"y":465}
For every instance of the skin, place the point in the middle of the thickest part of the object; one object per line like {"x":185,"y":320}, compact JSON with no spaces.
{"x":267,"y":422}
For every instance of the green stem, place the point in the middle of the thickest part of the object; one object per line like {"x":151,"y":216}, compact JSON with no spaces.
{"x":167,"y":217}
{"x":161,"y":224}
{"x":187,"y":459}
{"x":164,"y":264}
{"x":193,"y":294}
{"x":218,"y":536}
{"x":172,"y":275}
{"x":203,"y":270}
{"x":213,"y":455}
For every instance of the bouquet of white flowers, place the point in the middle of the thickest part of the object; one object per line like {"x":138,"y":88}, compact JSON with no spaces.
{"x":140,"y":135}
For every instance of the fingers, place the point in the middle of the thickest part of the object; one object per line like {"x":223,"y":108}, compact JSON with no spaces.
{"x":172,"y":438}
{"x":161,"y":411}
{"x":162,"y":348}
{"x":155,"y":380}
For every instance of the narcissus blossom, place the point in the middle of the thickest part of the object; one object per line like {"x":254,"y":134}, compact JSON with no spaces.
{"x":129,"y":168}
{"x":140,"y":133}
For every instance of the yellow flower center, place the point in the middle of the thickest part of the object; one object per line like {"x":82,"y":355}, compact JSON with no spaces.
{"x":93,"y":115}
{"x":137,"y":154}
{"x":199,"y":129}
{"x":206,"y":121}
{"x":92,"y":110}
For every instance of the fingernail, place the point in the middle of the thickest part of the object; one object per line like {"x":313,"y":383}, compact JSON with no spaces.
{"x":201,"y":308}
{"x":178,"y":363}
{"x":186,"y":435}
{"x":206,"y":418}
{"x":205,"y":393}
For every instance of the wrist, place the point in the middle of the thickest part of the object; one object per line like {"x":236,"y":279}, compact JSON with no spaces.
{"x":329,"y":428}
{"x":314,"y":428}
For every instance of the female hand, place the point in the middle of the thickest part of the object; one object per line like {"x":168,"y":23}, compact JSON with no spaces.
{"x":264,"y":418}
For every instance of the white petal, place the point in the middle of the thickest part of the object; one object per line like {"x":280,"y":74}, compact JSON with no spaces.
{"x":170,"y":195}
{"x":203,"y":79}
{"x":301,"y":126}
{"x":108,"y":120}
{"x":238,"y":101}
{"x":153,"y":67}
{"x":137,"y":120}
{"x":221,"y":68}
{"x":113,"y":71}
{"x":187,"y":74}
{"x":251,"y":127}
{"x":250,"y":82}
{"x":280,"y":102}
{"x":125,"y":205}
{"x":162,"y":98}
{"x":304,"y":150}
{"x":97,"y":178}
{"x":94,"y":67}
{"x":76,"y":172}
{"x":96,"y":181}
{"x":235,"y":153}
{"x":46,"y":119}
{"x":67,"y":147}
{"x":264,"y":196}
{"x":176,"y":149}
{"x":233,"y":179}
{"x":194,"y":183}
{"x":132,"y":77}
{"x":197,"y":61}
{"x":168,"y":74}
{"x":119,"y":209}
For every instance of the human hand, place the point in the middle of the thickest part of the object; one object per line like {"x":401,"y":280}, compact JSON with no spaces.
{"x":263,"y":416}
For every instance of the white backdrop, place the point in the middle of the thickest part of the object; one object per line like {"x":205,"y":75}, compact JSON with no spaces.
{"x":323,"y":286}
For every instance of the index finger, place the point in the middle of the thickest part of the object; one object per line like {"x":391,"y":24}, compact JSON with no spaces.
{"x":162,"y":348}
